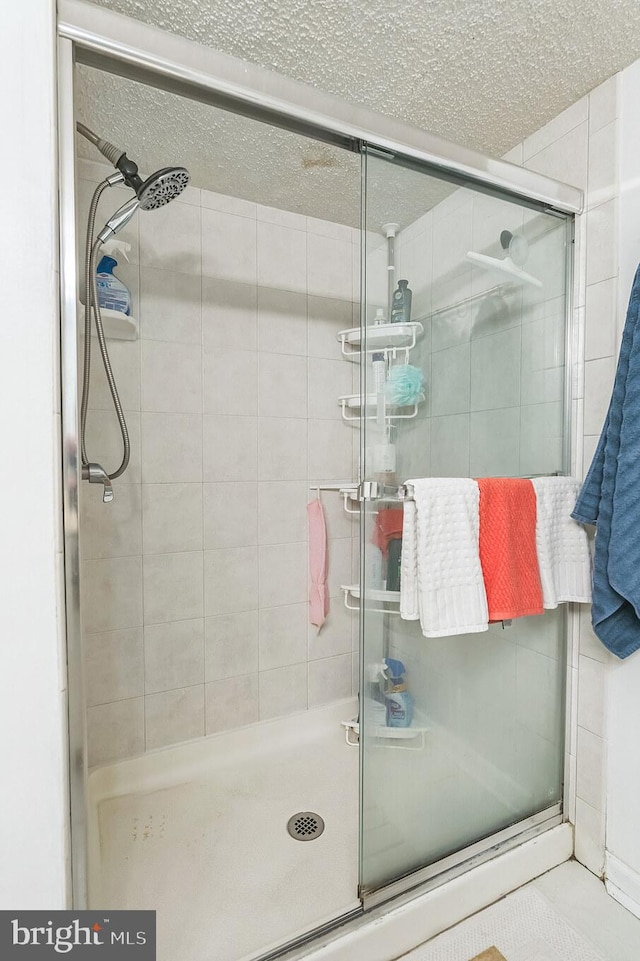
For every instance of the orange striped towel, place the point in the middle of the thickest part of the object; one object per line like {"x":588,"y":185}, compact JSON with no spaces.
{"x":507,"y":543}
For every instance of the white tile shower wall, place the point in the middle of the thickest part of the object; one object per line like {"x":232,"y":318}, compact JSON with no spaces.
{"x":495,"y":373}
{"x":195,"y":577}
{"x":474,"y":425}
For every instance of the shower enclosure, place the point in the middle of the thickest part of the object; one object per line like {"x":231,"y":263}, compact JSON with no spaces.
{"x":225,"y":752}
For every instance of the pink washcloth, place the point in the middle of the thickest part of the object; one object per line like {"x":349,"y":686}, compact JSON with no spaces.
{"x":318,"y":564}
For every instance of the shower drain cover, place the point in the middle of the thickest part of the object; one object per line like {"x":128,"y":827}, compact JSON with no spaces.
{"x":305,"y":826}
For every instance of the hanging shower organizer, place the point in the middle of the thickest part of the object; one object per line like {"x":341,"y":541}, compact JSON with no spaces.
{"x":395,"y":342}
{"x":392,"y":339}
{"x":387,"y":602}
{"x":392,"y":344}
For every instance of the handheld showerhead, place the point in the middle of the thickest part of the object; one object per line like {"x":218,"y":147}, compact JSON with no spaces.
{"x":156,"y":191}
{"x":119,"y":219}
{"x":159,"y":189}
{"x":162,"y":187}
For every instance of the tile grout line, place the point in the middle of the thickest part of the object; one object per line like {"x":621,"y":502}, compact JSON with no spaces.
{"x":258,"y":417}
{"x":202,"y":473}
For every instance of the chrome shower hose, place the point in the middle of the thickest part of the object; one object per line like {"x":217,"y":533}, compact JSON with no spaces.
{"x":91,"y":303}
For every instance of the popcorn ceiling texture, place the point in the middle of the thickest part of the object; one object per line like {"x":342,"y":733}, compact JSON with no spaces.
{"x":223,"y":152}
{"x":483,"y":74}
{"x":243,"y":158}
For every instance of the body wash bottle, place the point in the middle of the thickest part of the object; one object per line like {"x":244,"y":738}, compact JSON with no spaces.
{"x":401,"y":303}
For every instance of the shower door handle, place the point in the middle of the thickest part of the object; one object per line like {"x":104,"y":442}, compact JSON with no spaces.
{"x":370,"y":491}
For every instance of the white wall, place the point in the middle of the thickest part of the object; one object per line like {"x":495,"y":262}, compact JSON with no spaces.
{"x":33,"y":805}
{"x":623,"y":715}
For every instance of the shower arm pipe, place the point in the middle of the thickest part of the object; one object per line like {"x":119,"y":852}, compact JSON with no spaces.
{"x":88,"y":134}
{"x":110,"y":151}
{"x":116,"y":156}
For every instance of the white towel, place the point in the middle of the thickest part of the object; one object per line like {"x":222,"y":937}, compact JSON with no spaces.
{"x":563,"y":547}
{"x":441,"y":578}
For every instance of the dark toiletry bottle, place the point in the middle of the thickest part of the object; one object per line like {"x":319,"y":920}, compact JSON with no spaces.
{"x":401,"y":303}
{"x":393,"y":564}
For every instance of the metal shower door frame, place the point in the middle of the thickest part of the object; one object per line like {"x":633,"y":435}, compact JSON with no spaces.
{"x":98,"y":37}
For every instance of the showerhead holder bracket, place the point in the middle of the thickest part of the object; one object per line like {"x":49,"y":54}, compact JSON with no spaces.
{"x":129,"y":170}
{"x":96,"y":474}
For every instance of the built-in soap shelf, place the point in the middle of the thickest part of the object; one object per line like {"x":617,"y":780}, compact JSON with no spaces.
{"x":390,"y":339}
{"x":117,"y":326}
{"x":351,"y":404}
{"x":392,"y":735}
{"x":378,"y":596}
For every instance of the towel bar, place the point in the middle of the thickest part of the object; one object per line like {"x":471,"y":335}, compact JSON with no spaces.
{"x":405,"y":491}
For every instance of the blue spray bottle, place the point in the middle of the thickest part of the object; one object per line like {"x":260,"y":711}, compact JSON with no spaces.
{"x":112,"y":293}
{"x":397,"y":698}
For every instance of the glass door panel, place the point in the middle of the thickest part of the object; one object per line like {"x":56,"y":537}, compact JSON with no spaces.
{"x":462,"y":376}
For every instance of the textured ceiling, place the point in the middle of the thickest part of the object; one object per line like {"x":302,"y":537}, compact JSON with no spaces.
{"x":483,"y":73}
{"x":222,"y":151}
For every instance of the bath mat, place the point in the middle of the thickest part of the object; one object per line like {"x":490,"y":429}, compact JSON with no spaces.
{"x":491,"y":954}
{"x":525,"y":924}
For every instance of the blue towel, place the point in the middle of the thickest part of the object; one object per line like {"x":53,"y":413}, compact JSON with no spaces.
{"x":610,"y":499}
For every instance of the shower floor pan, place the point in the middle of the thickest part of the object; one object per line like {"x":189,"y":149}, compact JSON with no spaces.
{"x":198,"y":833}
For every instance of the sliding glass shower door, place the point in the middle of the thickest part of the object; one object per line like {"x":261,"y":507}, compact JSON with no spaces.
{"x":463,"y":375}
